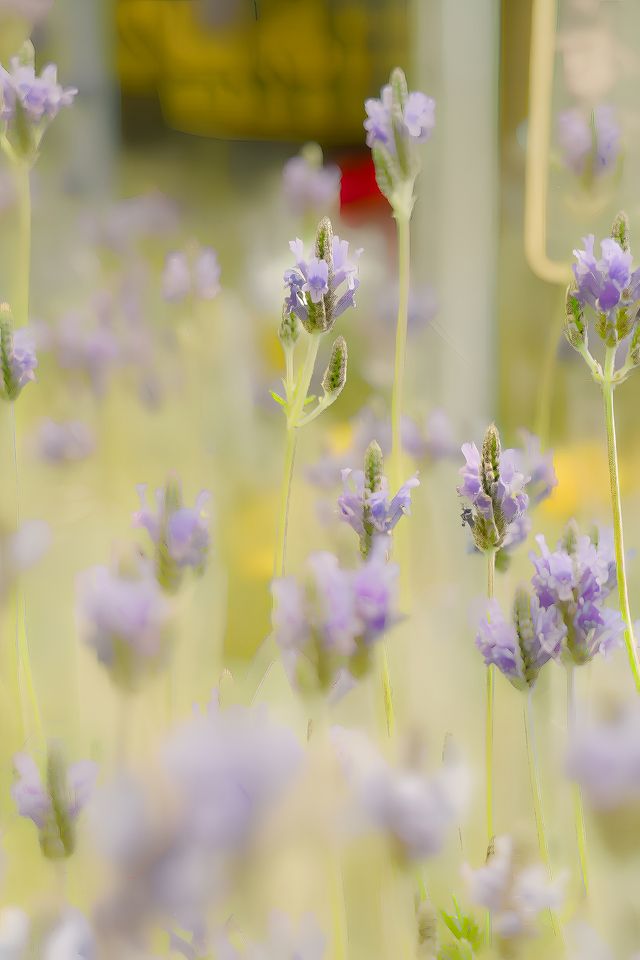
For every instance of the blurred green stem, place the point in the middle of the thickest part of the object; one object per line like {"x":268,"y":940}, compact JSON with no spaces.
{"x":23,"y":272}
{"x":295,"y":406}
{"x":616,"y":509}
{"x":536,"y":793}
{"x":578,"y":810}
{"x":404,"y":260}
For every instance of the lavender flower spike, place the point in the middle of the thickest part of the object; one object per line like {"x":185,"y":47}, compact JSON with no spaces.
{"x":323,"y":286}
{"x":576,"y":578}
{"x":18,"y":360}
{"x":193,"y":274}
{"x":309,"y":188}
{"x":55,"y":806}
{"x":180,"y":534}
{"x":604,"y":758}
{"x":590,"y":146}
{"x":494,"y":489}
{"x":365,"y":503}
{"x":28,"y":104}
{"x":328,"y":626}
{"x":520,"y":648}
{"x":395,"y":125}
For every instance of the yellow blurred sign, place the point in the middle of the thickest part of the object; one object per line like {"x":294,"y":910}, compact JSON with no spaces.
{"x":300,"y":69}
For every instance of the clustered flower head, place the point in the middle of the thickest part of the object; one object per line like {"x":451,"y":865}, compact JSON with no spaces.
{"x":310,"y":188}
{"x":609,"y":286}
{"x":322,"y":286}
{"x":515,"y":894}
{"x":495,"y":490}
{"x":64,"y":442}
{"x":365,"y":503}
{"x":576,"y":578}
{"x":395,"y":125}
{"x":18,"y":360}
{"x":54,"y":806}
{"x":180,"y":534}
{"x":28,"y":104}
{"x":590,"y":145}
{"x":519,"y":647}
{"x":193,"y":274}
{"x":124,"y":618}
{"x":327,"y":626}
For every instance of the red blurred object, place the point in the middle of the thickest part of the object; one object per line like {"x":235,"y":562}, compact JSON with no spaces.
{"x":358,"y":187}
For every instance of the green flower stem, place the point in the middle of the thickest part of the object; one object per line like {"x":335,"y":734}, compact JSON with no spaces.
{"x":489,"y":720}
{"x":403,"y":222}
{"x":294,"y":412}
{"x":578,"y":809}
{"x":20,"y":303}
{"x":616,"y":509}
{"x":536,"y":795}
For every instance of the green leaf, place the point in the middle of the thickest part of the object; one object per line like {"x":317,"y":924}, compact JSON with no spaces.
{"x":278,"y":398}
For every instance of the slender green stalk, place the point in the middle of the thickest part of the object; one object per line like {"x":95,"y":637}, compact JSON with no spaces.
{"x":404,"y":261}
{"x":489,"y":719}
{"x":23,"y":272}
{"x":616,"y":509}
{"x":294,"y":413}
{"x":578,"y":810}
{"x":536,"y":793}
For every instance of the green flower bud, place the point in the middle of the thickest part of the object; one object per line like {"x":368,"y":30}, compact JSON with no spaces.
{"x":373,"y":467}
{"x":385,"y":167}
{"x":490,"y":459}
{"x":57,"y":835}
{"x":620,"y":231}
{"x":335,"y":376}
{"x":289,"y":329}
{"x":575,"y":329}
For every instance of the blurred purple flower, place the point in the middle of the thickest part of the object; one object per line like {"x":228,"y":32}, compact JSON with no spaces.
{"x":607,"y":284}
{"x":40,"y":97}
{"x":309,"y":188}
{"x":514,"y":896}
{"x":537,"y":466}
{"x":126,"y":222}
{"x":18,"y":356}
{"x":329,"y":624}
{"x":180,"y":534}
{"x":55,"y":806}
{"x":590,"y":145}
{"x":415,"y":124}
{"x":72,"y":938}
{"x":31,"y":10}
{"x":415,"y":810}
{"x":124,"y":618}
{"x":576,"y":578}
{"x":64,"y":442}
{"x":604,"y":757}
{"x":191,"y":275}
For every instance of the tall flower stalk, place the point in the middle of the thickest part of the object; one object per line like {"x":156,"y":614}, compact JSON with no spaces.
{"x":396,"y":124}
{"x":610,"y":287}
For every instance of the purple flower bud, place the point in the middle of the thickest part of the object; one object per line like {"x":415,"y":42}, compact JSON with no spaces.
{"x":590,"y":146}
{"x":607,"y":284}
{"x":180,"y":534}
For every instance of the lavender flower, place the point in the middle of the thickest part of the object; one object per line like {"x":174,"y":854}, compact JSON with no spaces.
{"x":66,"y":442}
{"x":18,"y":360}
{"x":604,"y":758}
{"x":323,"y":286}
{"x":413,"y":809}
{"x":514,"y":896}
{"x":520,"y":647}
{"x":54,"y":807}
{"x":328,"y":626}
{"x":365,"y":503}
{"x":537,"y":466}
{"x":607,"y":283}
{"x":194,"y":275}
{"x":309,"y":188}
{"x":180,"y":534}
{"x":590,"y":145}
{"x":395,"y":124}
{"x":29,"y":103}
{"x":576,"y":578}
{"x":125,"y":619}
{"x":495,"y":490}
